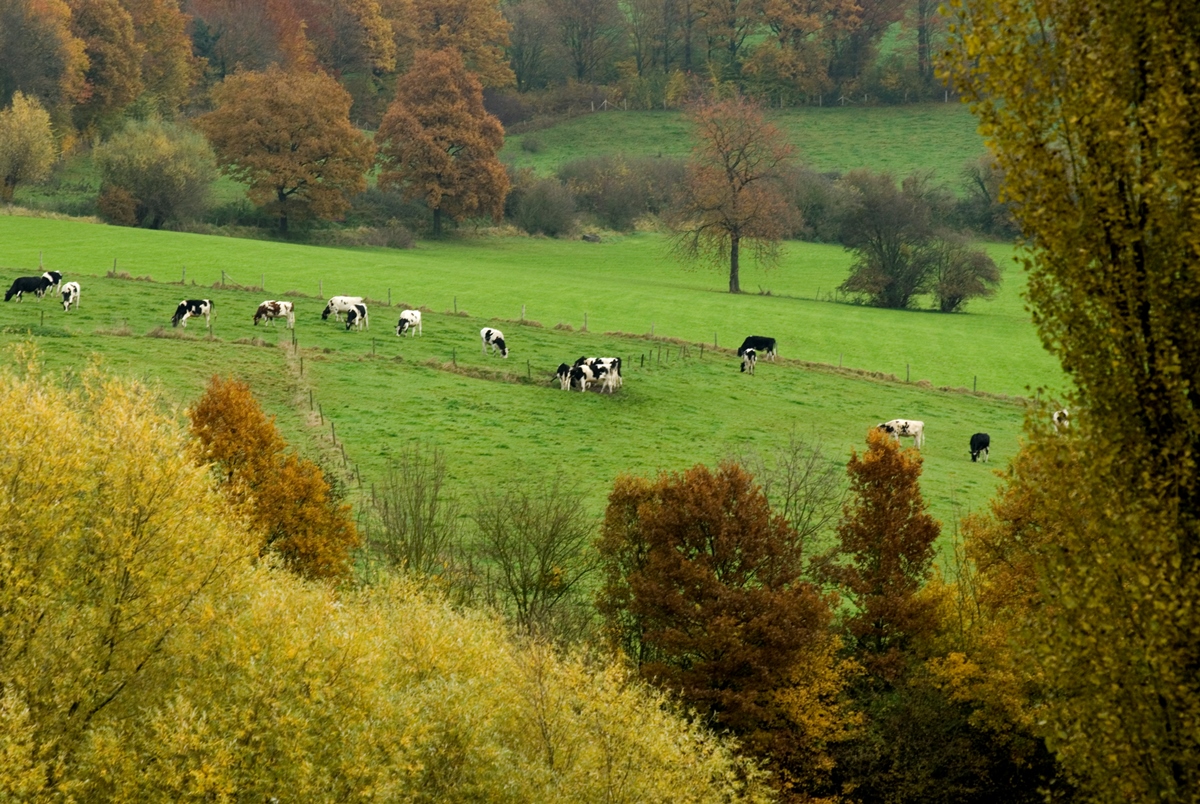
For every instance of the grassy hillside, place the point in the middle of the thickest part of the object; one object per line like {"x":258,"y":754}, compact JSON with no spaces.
{"x":941,"y":137}
{"x":510,"y":420}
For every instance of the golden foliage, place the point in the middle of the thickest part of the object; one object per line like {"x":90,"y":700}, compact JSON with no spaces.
{"x":285,"y":498}
{"x":27,"y":149}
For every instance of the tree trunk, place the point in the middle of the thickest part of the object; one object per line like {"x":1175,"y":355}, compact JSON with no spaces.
{"x":734,"y":287}
{"x":437,"y":223}
{"x":283,"y":222}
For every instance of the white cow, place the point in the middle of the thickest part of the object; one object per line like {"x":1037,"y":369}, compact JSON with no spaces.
{"x":494,"y":339}
{"x":70,"y":296}
{"x":338,"y":305}
{"x":612,"y":367}
{"x":906,"y":428}
{"x":190,"y":307}
{"x":749,"y":360}
{"x":410,"y":322}
{"x":270,"y":310}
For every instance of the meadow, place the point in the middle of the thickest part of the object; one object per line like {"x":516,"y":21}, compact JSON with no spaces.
{"x":936,"y":137}
{"x":506,"y":420}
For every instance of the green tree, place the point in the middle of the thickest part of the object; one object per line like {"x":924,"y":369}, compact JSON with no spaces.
{"x":439,"y":144}
{"x":1093,"y":108}
{"x":27,"y":149}
{"x":166,"y":169}
{"x":731,"y":196}
{"x":287,"y":136}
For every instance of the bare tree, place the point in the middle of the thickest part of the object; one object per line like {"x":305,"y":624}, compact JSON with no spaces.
{"x":537,"y":540}
{"x":416,"y":523}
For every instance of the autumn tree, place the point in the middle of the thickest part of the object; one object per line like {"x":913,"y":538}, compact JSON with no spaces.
{"x":287,"y":498}
{"x":233,"y":36}
{"x":437,"y":142}
{"x":168,"y":69}
{"x":27,"y":148}
{"x":475,"y":29}
{"x":960,"y":273}
{"x":587,"y":31}
{"x":530,"y":39}
{"x":166,"y":169}
{"x":703,"y":592}
{"x":114,"y":58}
{"x":1092,"y":110}
{"x":287,"y":136}
{"x":731,"y":196}
{"x":42,"y":57}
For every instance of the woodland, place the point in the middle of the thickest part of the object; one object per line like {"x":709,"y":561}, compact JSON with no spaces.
{"x":189,"y":609}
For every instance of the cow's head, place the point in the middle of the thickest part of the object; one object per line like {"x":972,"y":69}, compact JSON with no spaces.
{"x":180,"y":312}
{"x":325,"y":313}
{"x":402,"y":326}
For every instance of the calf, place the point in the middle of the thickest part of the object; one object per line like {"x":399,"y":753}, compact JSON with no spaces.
{"x":906,"y":428}
{"x":410,"y":322}
{"x":190,"y":307}
{"x":338,"y":305}
{"x":53,"y":277}
{"x":759,"y":343}
{"x":494,"y":339}
{"x":70,"y":296}
{"x":27,"y":284}
{"x":612,"y":366}
{"x":749,"y":360}
{"x":980,"y":444}
{"x":357,"y":317}
{"x":270,"y":310}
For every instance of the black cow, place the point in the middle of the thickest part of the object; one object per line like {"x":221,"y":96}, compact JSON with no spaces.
{"x":763,"y":345}
{"x":27,"y":284}
{"x":980,"y":444}
{"x":190,"y":307}
{"x":54,"y":278}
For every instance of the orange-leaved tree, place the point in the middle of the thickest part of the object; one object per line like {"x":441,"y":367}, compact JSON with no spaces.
{"x":286,"y":498}
{"x":439,"y":144}
{"x":288,"y":137}
{"x":731,"y":196}
{"x":703,"y":591}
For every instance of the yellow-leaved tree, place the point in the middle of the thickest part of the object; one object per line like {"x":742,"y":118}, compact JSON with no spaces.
{"x":27,"y":149}
{"x":1093,"y":110}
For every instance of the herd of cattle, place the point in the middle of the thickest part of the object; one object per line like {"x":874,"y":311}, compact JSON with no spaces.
{"x":601,"y":372}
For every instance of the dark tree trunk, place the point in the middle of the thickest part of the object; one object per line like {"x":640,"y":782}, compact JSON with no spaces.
{"x":734,"y":287}
{"x":283,"y":222}
{"x":437,"y":223}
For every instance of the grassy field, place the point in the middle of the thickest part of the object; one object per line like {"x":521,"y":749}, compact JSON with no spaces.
{"x":941,"y":137}
{"x":510,"y":420}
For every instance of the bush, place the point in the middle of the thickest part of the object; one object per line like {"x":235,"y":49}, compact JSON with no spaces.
{"x":507,"y":107}
{"x":821,"y":200}
{"x":166,"y":168}
{"x":544,"y":206}
{"x":618,"y":190}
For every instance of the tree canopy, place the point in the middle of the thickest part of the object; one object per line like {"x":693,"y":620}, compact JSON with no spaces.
{"x":27,"y":148}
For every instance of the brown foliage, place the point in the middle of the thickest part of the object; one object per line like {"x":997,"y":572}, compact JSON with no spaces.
{"x":886,"y":538}
{"x":438,"y":142}
{"x":703,"y":590}
{"x":287,"y":135}
{"x":114,"y":75}
{"x":475,"y":29}
{"x":286,"y":498}
{"x":731,"y":193}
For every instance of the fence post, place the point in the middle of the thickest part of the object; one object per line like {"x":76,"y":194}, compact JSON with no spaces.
{"x":310,"y":399}
{"x":321,"y":413}
{"x":975,"y":383}
{"x":528,"y":370}
{"x":456,"y":305}
{"x":183,"y":279}
{"x":332,"y":431}
{"x":839,"y":359}
{"x":714,"y":340}
{"x":302,"y":369}
{"x":907,"y":372}
{"x":389,"y":297}
{"x":701,"y":351}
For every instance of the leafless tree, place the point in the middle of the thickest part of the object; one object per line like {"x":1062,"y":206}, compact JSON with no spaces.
{"x":416,"y":522}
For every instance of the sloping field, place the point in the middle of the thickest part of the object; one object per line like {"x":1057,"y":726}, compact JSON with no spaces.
{"x":502,"y":420}
{"x":941,"y":137}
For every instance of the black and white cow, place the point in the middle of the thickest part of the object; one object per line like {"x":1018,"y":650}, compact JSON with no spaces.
{"x":612,"y":366}
{"x":70,"y":296}
{"x":906,"y":428}
{"x":749,"y":360}
{"x":192,"y":307}
{"x":494,"y":339}
{"x":581,"y":375}
{"x":1061,"y":418}
{"x":27,"y":284}
{"x":410,"y":322}
{"x":357,"y":317}
{"x":271,"y":309}
{"x":980,"y":446}
{"x":338,"y":305}
{"x":761,"y":344}
{"x":54,"y":278}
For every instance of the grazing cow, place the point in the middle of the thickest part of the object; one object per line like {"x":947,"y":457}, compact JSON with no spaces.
{"x":749,"y":360}
{"x":907,"y":428}
{"x":494,"y":339}
{"x":1061,"y":418}
{"x":581,"y":375}
{"x":338,"y":305}
{"x":980,"y":445}
{"x":190,"y":307}
{"x":612,"y":365}
{"x":70,"y":296}
{"x":759,"y":344}
{"x":270,"y":310}
{"x":357,"y":317}
{"x":410,"y":322}
{"x":27,"y":284}
{"x":53,"y":277}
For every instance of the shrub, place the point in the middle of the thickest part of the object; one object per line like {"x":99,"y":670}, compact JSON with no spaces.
{"x":821,"y":201}
{"x":618,"y":190}
{"x":545,"y":207}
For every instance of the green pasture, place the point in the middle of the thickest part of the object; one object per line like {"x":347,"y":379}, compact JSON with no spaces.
{"x":511,"y":422}
{"x":938,"y":137}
